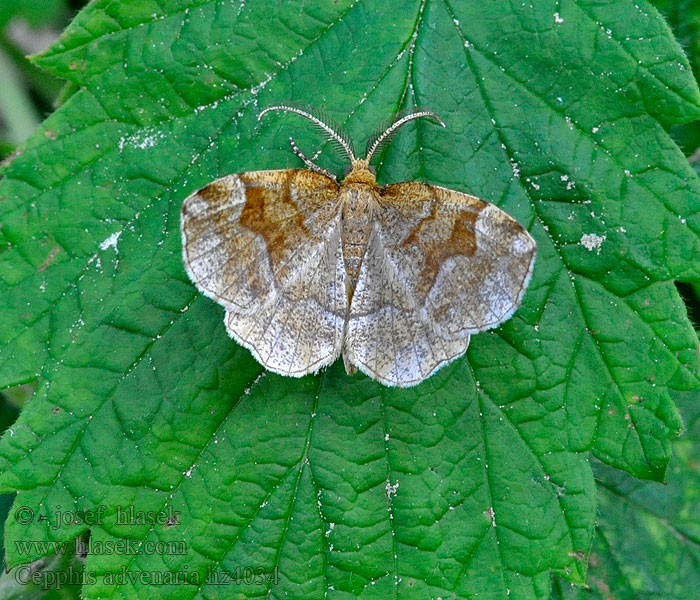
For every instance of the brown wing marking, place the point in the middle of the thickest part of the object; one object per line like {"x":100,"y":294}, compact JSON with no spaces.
{"x":465,"y":261}
{"x":266,"y":207}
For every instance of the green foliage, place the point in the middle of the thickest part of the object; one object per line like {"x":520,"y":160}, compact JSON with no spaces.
{"x":26,"y":92}
{"x":35,"y":13}
{"x":648,"y":536}
{"x":684,"y":18}
{"x":56,"y":577}
{"x":477,"y":481}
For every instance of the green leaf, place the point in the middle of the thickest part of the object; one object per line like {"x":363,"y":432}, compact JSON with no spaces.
{"x":684,"y":18}
{"x":475,"y":482}
{"x":648,"y":537}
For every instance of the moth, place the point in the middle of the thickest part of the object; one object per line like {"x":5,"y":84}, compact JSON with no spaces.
{"x":394,"y":278}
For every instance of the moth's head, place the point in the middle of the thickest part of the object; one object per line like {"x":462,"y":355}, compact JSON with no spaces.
{"x":361,"y":172}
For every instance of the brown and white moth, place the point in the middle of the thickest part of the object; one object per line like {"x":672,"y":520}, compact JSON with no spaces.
{"x":394,"y":278}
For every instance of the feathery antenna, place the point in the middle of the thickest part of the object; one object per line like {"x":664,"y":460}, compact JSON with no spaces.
{"x":400,"y":119}
{"x":332,"y":130}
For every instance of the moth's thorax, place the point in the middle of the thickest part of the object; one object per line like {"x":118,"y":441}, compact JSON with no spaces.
{"x":359,"y":197}
{"x":360,"y":173}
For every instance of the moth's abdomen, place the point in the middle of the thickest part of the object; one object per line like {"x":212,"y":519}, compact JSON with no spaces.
{"x":354,"y":240}
{"x":358,"y":217}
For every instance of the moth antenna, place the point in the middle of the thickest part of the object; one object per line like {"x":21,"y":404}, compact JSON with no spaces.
{"x":308,"y":162}
{"x":387,"y":131}
{"x":332,"y":130}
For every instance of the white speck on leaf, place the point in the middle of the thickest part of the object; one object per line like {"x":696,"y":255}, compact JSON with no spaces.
{"x":142,"y":139}
{"x":516,"y":168}
{"x":492,"y":515}
{"x":391,"y":489}
{"x":111,"y":242}
{"x":255,"y":90}
{"x":592,"y":241}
